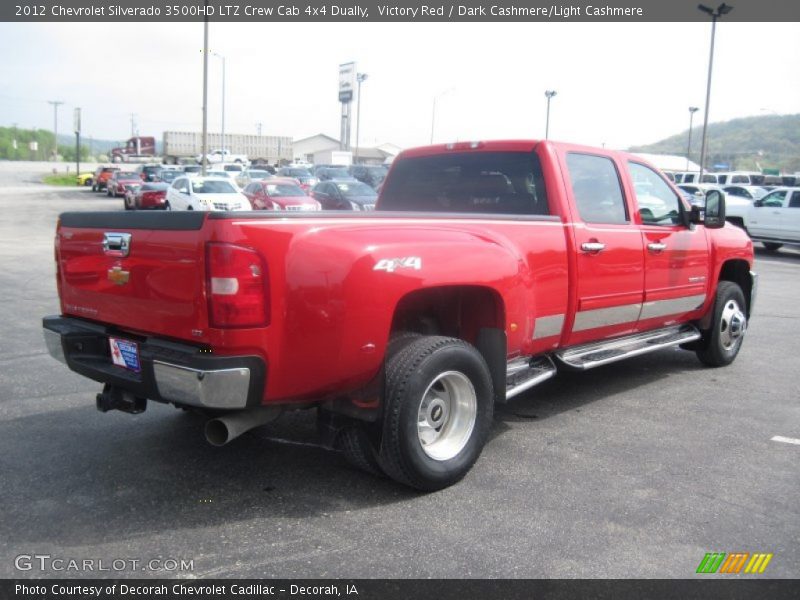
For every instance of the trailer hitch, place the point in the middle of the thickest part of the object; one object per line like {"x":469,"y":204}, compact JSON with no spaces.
{"x":114,"y":398}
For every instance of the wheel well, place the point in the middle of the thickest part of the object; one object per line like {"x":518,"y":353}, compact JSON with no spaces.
{"x":738,"y":271}
{"x":455,"y":311}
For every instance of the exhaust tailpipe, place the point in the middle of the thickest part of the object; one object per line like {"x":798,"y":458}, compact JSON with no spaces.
{"x":223,"y":429}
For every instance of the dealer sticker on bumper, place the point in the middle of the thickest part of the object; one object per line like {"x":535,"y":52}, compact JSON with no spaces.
{"x":125,"y":354}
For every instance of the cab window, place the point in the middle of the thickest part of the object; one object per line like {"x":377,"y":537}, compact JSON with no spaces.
{"x":596,"y":189}
{"x":658,"y":204}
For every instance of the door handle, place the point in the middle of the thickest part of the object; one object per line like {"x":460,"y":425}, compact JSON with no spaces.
{"x":656,"y":247}
{"x":776,"y":212}
{"x":593,"y":247}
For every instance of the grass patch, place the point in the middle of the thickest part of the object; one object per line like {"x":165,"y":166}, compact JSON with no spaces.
{"x":60,"y":179}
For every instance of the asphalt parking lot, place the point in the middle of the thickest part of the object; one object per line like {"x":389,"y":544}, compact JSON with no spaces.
{"x":631,"y":470}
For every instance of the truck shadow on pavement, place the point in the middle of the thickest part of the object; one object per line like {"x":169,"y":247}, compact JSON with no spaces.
{"x":571,"y":390}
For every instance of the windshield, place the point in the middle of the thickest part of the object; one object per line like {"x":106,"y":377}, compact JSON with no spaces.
{"x":471,"y":182}
{"x":335,"y":173}
{"x":259,"y":174}
{"x":352,"y":189}
{"x":283,"y":189}
{"x":212,"y":186}
{"x":295,"y":173}
{"x":127,"y":175}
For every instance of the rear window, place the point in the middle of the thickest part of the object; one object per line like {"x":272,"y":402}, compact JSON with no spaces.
{"x":467,"y":182}
{"x":212,"y":187}
{"x":158,"y":187}
{"x":283,"y":189}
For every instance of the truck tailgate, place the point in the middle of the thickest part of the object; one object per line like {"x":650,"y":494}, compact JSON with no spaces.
{"x":140,"y":271}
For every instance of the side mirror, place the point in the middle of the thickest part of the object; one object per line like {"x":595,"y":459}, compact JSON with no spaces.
{"x":758,"y":203}
{"x":715,"y":210}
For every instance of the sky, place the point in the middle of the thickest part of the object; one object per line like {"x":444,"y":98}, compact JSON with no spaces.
{"x":617,"y":84}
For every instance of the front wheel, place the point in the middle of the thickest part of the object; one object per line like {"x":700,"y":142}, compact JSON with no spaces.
{"x":438,"y":406}
{"x":728,"y":326}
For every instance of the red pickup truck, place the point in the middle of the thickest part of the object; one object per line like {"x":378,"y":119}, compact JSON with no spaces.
{"x":485,"y":268}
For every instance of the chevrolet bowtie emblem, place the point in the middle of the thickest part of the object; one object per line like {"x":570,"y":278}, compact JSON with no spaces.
{"x":117,"y":276}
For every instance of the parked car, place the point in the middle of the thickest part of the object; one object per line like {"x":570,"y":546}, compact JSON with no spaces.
{"x":205,"y":193}
{"x":328,"y":173}
{"x":372,"y":175}
{"x":85,"y":178}
{"x":304,"y":176}
{"x":169,"y":175}
{"x":349,"y":194}
{"x":192,"y":168}
{"x":279,"y":193}
{"x":250,"y":175}
{"x":149,"y":172}
{"x":698,"y":191}
{"x":149,"y":195}
{"x":222,"y":156}
{"x":774,"y":220}
{"x":101,"y":177}
{"x":748,"y":192}
{"x":120,"y":181}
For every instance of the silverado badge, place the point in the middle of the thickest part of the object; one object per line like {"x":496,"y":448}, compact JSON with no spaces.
{"x":117,"y":276}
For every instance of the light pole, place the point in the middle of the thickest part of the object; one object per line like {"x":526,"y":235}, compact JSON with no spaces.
{"x":204,"y":158}
{"x":716,"y":13}
{"x":223,"y":103}
{"x":692,"y":110}
{"x":433,"y":113}
{"x":360,"y":78}
{"x":56,"y":104}
{"x":549,"y":95}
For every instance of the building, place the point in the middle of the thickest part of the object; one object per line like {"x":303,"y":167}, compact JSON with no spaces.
{"x":306,"y":148}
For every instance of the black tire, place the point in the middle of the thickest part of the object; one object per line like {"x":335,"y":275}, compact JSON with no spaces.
{"x":129,"y":205}
{"x":459,"y":372}
{"x":94,"y":188}
{"x":358,"y":449}
{"x":167,"y":205}
{"x":772,"y":246}
{"x":721,"y":343}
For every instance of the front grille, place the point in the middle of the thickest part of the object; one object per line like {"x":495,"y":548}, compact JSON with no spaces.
{"x":221,"y":206}
{"x":301,"y":207}
{"x":367,"y":207}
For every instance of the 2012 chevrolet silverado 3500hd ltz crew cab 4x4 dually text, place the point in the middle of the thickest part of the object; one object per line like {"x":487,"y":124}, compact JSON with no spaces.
{"x":485,"y":268}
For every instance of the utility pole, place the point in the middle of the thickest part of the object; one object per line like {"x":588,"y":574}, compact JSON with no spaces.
{"x":258,"y":128}
{"x":134,"y":127}
{"x":55,"y":104}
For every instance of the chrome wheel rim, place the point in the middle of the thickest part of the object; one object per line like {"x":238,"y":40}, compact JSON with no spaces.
{"x":446,"y":415}
{"x":732,"y":324}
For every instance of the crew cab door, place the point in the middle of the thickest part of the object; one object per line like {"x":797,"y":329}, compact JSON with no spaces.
{"x":676,"y":257}
{"x":608,"y":244}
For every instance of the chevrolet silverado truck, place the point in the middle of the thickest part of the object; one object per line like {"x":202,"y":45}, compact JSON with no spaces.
{"x":485,"y":269}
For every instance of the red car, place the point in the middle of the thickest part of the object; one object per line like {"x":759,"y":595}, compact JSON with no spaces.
{"x":121,"y":181}
{"x":101,"y":177}
{"x":147,"y":196}
{"x":279,"y":194}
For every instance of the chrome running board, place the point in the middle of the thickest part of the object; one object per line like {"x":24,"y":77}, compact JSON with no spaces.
{"x":596,"y":354}
{"x":524,"y":373}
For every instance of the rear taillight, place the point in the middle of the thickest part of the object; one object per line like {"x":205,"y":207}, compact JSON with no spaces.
{"x":238,"y":286}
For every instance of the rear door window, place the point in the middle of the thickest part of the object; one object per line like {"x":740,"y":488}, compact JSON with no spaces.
{"x":467,"y":182}
{"x":596,"y":188}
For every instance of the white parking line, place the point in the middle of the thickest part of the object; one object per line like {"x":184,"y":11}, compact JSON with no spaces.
{"x":785,"y":440}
